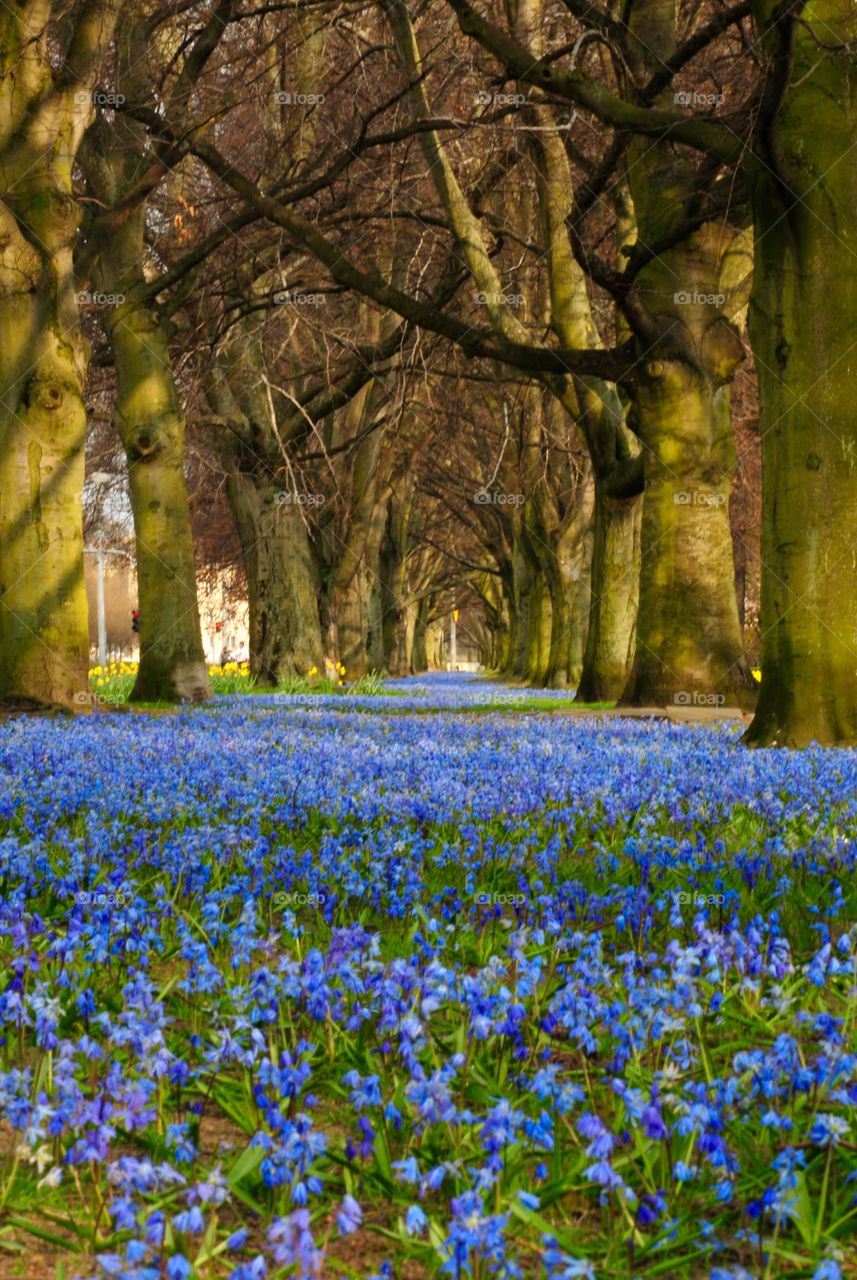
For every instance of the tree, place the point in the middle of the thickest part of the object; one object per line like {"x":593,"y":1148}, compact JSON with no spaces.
{"x":803,"y":181}
{"x":50,"y":55}
{"x":149,"y":416}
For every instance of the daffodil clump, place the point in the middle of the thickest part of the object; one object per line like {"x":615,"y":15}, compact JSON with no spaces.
{"x":231,"y":677}
{"x":229,"y":669}
{"x":114,"y":681}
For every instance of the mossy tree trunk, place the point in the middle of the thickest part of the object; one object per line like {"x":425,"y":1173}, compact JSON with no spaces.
{"x":581,"y":607}
{"x":503,"y":631}
{"x":283,"y":589}
{"x":285,"y":632}
{"x":398,"y":616}
{"x":372,"y":589}
{"x":420,"y":655}
{"x":349,"y":549}
{"x":595,"y":406}
{"x":522,"y":576}
{"x":539,"y":630}
{"x":149,"y":415}
{"x":803,"y":321}
{"x":44,"y":641}
{"x":614,"y":591}
{"x":351,"y":628}
{"x":689,"y":645}
{"x":151,"y":425}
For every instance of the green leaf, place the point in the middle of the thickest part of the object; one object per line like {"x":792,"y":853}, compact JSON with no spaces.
{"x":41,"y":1234}
{"x":245,"y":1165}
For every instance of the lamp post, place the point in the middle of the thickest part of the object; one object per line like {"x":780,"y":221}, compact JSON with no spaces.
{"x":102,"y":616}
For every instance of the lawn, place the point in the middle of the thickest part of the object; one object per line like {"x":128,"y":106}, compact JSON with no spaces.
{"x":304,"y":985}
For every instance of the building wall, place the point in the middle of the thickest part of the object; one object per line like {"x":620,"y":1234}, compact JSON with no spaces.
{"x":216,"y":604}
{"x":120,"y":597}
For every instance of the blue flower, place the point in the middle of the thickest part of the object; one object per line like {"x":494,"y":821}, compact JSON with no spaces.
{"x":190,"y":1221}
{"x":416,"y":1221}
{"x":350,"y":1216}
{"x":178,"y":1267}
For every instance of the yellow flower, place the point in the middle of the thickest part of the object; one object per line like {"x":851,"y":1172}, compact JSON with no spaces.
{"x":313,"y":671}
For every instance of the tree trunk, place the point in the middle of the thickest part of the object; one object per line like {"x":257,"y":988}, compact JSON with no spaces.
{"x":539,"y":630}
{"x":44,"y":638}
{"x":148,"y":415}
{"x":285,"y":633}
{"x":562,"y":553}
{"x":47,"y":105}
{"x":501,"y":642}
{"x":420,"y":654}
{"x":581,"y":605}
{"x":406,"y":655}
{"x":370,"y":579}
{"x":521,"y":612}
{"x":351,"y":629}
{"x":689,"y":648}
{"x":615,"y":583}
{"x":375,"y":640}
{"x":397,"y":619}
{"x":803,"y":318}
{"x":151,"y":425}
{"x":399,"y":640}
{"x":558,"y":668}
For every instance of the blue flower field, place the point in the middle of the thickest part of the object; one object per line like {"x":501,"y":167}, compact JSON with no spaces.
{"x":417,"y":985}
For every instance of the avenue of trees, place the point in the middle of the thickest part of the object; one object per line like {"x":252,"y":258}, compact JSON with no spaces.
{"x":428,"y":304}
